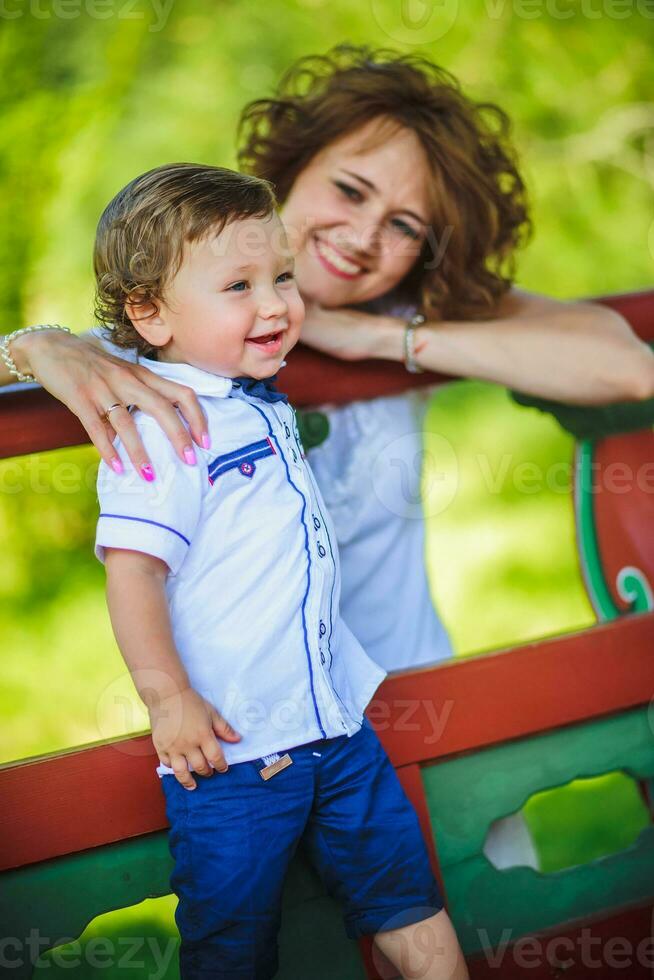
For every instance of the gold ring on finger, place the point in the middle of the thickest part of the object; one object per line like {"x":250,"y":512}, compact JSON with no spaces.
{"x":111,"y":408}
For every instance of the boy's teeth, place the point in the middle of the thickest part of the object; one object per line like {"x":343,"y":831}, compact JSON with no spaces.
{"x":336,"y":259}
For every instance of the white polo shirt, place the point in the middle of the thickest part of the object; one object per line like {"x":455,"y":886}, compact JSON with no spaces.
{"x":254,"y":586}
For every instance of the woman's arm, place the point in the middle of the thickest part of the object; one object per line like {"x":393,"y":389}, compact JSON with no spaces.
{"x":577,"y":352}
{"x":87,"y":379}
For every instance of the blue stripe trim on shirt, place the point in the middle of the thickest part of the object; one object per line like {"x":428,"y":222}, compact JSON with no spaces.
{"x":237,"y":453}
{"x":250,"y":457}
{"x":306,"y":548}
{"x":145,"y":520}
{"x":228,"y":461}
{"x":331,"y":552}
{"x":331,"y":594}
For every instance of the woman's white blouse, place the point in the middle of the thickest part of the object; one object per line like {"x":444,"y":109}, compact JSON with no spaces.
{"x":369,"y":472}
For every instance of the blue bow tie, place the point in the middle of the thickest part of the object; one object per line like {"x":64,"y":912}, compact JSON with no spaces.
{"x":264,"y":388}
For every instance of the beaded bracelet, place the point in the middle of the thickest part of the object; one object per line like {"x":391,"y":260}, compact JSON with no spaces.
{"x":6,"y":340}
{"x":409,"y":340}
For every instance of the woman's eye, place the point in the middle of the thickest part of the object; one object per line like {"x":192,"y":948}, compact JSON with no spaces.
{"x":286,"y":277}
{"x":236,"y":286}
{"x":350,"y":192}
{"x":406,"y":229}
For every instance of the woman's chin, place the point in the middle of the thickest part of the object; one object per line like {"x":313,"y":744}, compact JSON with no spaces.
{"x":330,"y":294}
{"x":317,"y":286}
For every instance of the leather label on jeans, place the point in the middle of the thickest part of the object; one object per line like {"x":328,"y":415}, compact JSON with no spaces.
{"x":276,"y":767}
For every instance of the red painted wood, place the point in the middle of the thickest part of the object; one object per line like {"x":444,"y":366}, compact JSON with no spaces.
{"x":66,"y":802}
{"x":413,"y":786}
{"x":603,"y":947}
{"x":463,"y":706}
{"x":637,"y":308}
{"x":33,"y":421}
{"x":311,"y":378}
{"x":623,"y":505}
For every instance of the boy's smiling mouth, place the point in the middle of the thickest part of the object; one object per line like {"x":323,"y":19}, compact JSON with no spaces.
{"x":269,"y":343}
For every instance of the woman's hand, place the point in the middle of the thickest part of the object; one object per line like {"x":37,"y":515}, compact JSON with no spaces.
{"x":352,"y":335}
{"x":82,"y":375}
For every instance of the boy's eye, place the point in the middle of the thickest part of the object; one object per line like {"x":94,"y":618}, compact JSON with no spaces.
{"x":239,"y":286}
{"x":286,"y":276}
{"x":350,"y":192}
{"x":406,"y":229}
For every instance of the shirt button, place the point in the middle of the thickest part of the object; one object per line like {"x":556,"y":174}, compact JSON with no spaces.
{"x":322,"y":657}
{"x":316,"y":523}
{"x":321,"y":550}
{"x":287,"y":431}
{"x":323,"y":628}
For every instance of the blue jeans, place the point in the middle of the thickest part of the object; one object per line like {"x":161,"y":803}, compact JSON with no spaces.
{"x":233,"y":837}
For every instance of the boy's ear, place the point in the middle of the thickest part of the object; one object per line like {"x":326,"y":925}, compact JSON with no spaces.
{"x":148,"y":321}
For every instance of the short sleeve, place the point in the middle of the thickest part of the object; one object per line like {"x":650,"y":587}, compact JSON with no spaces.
{"x":159,"y":518}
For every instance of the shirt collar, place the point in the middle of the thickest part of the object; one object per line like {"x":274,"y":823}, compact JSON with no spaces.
{"x":201,"y":381}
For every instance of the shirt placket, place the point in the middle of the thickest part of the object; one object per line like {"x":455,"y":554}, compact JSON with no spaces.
{"x":319,"y":622}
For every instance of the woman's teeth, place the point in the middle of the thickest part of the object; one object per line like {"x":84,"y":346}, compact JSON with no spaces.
{"x":337,"y":260}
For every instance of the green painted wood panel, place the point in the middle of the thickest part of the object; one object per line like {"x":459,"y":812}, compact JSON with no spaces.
{"x":59,"y":898}
{"x":466,"y":795}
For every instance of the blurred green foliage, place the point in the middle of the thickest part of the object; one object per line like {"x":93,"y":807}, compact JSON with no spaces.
{"x":93,"y":95}
{"x":92,"y":98}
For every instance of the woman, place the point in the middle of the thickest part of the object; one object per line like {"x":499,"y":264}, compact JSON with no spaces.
{"x":399,"y":194}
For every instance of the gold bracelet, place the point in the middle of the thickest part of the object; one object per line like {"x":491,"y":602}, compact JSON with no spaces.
{"x":6,"y":340}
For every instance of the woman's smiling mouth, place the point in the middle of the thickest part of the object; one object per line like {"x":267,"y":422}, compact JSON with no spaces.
{"x":335,"y":262}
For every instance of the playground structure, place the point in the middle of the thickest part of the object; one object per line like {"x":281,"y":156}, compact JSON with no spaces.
{"x":83,"y":831}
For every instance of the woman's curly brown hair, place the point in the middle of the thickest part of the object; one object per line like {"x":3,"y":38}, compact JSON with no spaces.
{"x":479,"y":201}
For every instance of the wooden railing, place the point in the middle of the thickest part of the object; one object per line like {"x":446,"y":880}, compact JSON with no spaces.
{"x":513,"y":722}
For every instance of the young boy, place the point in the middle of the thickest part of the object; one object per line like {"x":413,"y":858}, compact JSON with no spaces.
{"x":223,"y":590}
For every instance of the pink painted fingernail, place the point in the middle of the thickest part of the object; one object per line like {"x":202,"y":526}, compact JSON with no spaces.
{"x":205,"y":440}
{"x":189,"y":456}
{"x":147,"y":473}
{"x":116,"y":465}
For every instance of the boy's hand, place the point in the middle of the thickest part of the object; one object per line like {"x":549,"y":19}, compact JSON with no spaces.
{"x":184,"y":730}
